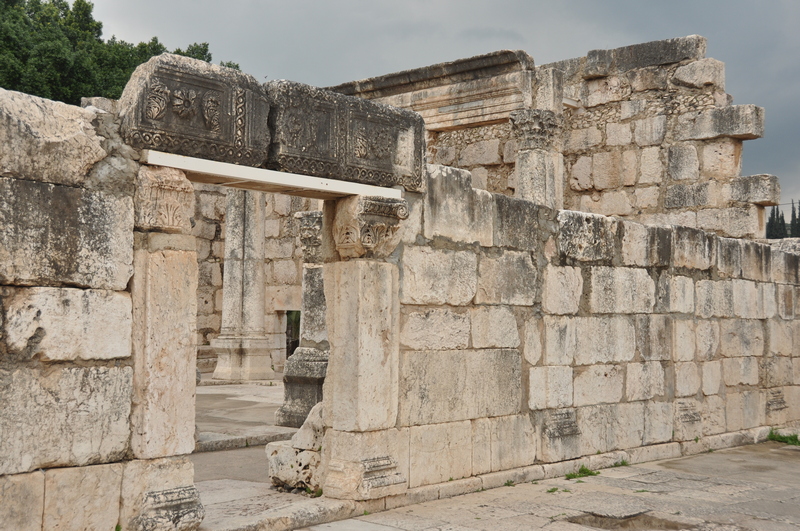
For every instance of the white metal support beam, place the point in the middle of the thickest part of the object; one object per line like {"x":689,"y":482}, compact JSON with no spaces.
{"x":261,"y":180}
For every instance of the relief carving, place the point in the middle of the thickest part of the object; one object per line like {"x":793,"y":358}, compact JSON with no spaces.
{"x":183,"y":103}
{"x":164,"y":200}
{"x":368,"y":226}
{"x":536,"y":129}
{"x":311,"y":235}
{"x":157,"y":99}
{"x":211,"y":111}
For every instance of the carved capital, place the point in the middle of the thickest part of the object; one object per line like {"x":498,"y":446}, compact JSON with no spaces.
{"x":164,"y":200}
{"x":311,"y":235}
{"x":536,"y":129}
{"x":368,"y":226}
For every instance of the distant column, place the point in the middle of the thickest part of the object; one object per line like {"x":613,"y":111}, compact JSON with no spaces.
{"x":243,"y":348}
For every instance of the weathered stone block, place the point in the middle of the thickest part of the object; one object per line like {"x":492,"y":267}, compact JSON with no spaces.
{"x":540,"y":177}
{"x":455,"y":210}
{"x":586,"y":237}
{"x":682,"y":162}
{"x":707,"y":339}
{"x":604,"y":62}
{"x":741,"y":337}
{"x":366,"y":465}
{"x":432,"y":276}
{"x":654,"y":337}
{"x":689,"y":195}
{"x":599,"y":340}
{"x":580,"y":175}
{"x":762,"y":189}
{"x":486,"y":382}
{"x":736,"y":121}
{"x":532,"y":348}
{"x":193,"y":108}
{"x":44,"y":140}
{"x":599,"y":384}
{"x":322,"y":133}
{"x":494,"y":327}
{"x":675,"y":294}
{"x":513,"y":442}
{"x":615,"y":203}
{"x":687,"y":379}
{"x":63,"y":417}
{"x":785,"y":301}
{"x":728,"y":257}
{"x":753,"y":300}
{"x":740,"y":371}
{"x":23,"y":501}
{"x":683,"y":340}
{"x":692,"y":248}
{"x":785,"y":267}
{"x":712,"y":375}
{"x":650,"y":78}
{"x":644,"y":380}
{"x":160,"y":495}
{"x":294,"y":468}
{"x":713,"y":413}
{"x":780,"y":338}
{"x":65,"y":324}
{"x":435,"y":329}
{"x":650,"y":131}
{"x":621,"y":290}
{"x":736,"y":222}
{"x":618,"y":134}
{"x":687,"y":419}
{"x":658,"y":421}
{"x":484,"y":152}
{"x":776,"y":371}
{"x":55,"y":235}
{"x":363,"y":330}
{"x":701,"y":73}
{"x":560,"y":434}
{"x":440,"y":452}
{"x":550,"y":387}
{"x":583,"y":139}
{"x":714,"y":298}
{"x":510,"y":278}
{"x":756,"y":261}
{"x":605,"y":90}
{"x":611,"y":427}
{"x":562,"y":289}
{"x":613,"y":169}
{"x":86,"y":497}
{"x":516,"y":223}
{"x":721,"y":159}
{"x":164,"y":354}
{"x":651,"y":169}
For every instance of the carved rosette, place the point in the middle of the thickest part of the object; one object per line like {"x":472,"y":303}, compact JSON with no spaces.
{"x":537,"y":129}
{"x":368,"y":226}
{"x":311,"y":235}
{"x":164,"y":200}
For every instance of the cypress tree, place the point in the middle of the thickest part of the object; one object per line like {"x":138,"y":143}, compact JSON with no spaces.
{"x":781,"y":230}
{"x":794,"y":227}
{"x":771,"y":224}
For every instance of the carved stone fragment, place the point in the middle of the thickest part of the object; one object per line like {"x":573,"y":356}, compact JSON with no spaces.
{"x":325,"y":134}
{"x":164,"y":200}
{"x":311,"y":235}
{"x":189,"y":107}
{"x":368,"y":226}
{"x":536,"y":129}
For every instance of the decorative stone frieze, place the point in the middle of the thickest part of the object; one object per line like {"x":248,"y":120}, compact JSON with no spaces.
{"x":536,"y":129}
{"x":368,"y":226}
{"x":325,"y":134}
{"x":190,"y":107}
{"x":163,"y":201}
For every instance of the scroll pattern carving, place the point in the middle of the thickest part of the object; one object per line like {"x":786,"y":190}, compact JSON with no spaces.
{"x":311,"y":235}
{"x":368,"y":226}
{"x":536,"y":129}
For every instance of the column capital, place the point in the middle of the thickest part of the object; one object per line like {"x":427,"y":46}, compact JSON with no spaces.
{"x":536,"y":129}
{"x":368,"y":226}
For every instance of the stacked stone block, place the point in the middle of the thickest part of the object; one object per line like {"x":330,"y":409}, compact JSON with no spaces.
{"x":87,"y":409}
{"x":651,"y":135}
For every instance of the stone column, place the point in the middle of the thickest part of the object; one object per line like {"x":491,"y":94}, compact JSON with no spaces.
{"x":540,"y":164}
{"x":243,"y":347}
{"x":306,"y":368}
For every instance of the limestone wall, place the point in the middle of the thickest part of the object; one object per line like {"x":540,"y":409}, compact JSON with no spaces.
{"x":97,"y":319}
{"x":518,"y":336}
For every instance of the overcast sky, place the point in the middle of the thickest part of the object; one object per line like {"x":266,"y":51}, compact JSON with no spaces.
{"x":326,"y":43}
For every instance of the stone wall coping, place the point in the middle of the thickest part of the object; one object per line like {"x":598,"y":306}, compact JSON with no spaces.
{"x":478,"y":67}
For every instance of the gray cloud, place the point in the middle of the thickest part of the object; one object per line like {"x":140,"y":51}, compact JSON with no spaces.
{"x":325,"y":43}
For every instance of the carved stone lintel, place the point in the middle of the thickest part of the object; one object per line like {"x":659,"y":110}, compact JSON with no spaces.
{"x":311,"y":235}
{"x":367,"y":479}
{"x":190,"y":107}
{"x":368,"y":226}
{"x":536,"y":129}
{"x":164,"y":200}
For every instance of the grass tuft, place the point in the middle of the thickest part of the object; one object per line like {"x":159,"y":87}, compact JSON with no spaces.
{"x":785,"y":439}
{"x":582,"y":473}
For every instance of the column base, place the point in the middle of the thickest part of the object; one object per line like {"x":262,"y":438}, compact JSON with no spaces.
{"x":243,"y":358}
{"x":302,"y":384}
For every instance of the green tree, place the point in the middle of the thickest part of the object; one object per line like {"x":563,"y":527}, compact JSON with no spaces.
{"x":794,"y":224}
{"x":53,"y":50}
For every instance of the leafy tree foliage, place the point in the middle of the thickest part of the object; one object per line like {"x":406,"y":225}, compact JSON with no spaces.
{"x":53,"y":50}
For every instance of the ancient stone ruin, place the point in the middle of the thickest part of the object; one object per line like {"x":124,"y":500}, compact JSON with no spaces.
{"x":579,"y":276}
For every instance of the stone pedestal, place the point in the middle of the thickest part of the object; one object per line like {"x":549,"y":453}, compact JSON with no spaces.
{"x":243,"y":347}
{"x":302,"y":384}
